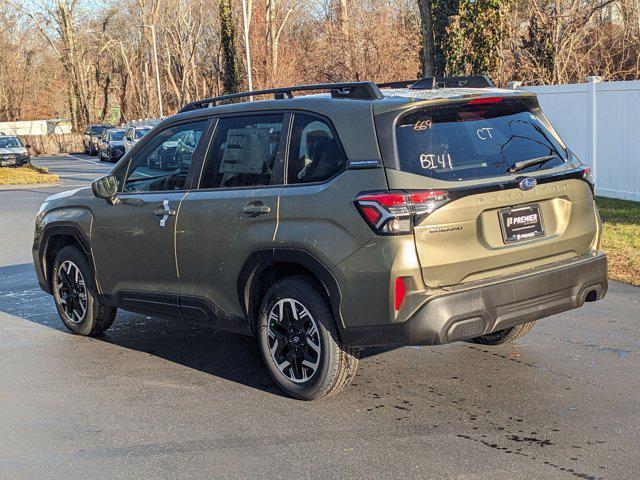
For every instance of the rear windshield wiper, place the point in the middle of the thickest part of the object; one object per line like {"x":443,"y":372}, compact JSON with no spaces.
{"x":532,"y":161}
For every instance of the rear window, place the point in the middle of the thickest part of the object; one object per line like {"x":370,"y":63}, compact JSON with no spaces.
{"x":141,"y":132}
{"x":97,"y":130}
{"x":118,"y":135}
{"x":469,"y":141}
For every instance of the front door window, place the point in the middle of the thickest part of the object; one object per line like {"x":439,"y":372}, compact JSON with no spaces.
{"x":164,"y":162}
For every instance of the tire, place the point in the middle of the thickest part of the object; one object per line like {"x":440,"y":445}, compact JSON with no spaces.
{"x":505,"y":336}
{"x":329,"y":368}
{"x":80,"y":312}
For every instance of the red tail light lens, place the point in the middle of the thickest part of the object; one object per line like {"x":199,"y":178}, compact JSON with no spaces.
{"x":395,"y":212}
{"x":400,"y":292}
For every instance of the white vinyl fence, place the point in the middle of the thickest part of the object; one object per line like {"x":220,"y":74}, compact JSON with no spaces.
{"x":36,"y":127}
{"x":600,"y":122}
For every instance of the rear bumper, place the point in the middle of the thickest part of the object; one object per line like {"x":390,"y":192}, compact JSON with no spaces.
{"x":484,"y":307}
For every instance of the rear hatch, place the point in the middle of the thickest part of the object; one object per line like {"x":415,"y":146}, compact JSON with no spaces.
{"x":508,"y":195}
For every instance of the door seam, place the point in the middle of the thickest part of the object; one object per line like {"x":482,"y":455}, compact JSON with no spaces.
{"x":175,"y":237}
{"x":275,"y":230}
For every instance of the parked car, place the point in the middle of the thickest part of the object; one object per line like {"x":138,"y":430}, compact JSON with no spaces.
{"x":177,"y":153}
{"x":92,"y":136}
{"x":13,"y":152}
{"x":111,"y":145}
{"x":446,"y":210}
{"x":134,"y":134}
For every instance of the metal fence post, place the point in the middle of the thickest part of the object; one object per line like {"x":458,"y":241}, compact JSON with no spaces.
{"x":594,"y":125}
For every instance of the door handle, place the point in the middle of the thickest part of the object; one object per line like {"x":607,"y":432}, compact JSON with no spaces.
{"x":165,"y":212}
{"x":254,"y":209}
{"x":161,"y":212}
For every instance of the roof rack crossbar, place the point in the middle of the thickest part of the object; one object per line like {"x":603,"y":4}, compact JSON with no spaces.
{"x":359,"y":90}
{"x":431,"y":83}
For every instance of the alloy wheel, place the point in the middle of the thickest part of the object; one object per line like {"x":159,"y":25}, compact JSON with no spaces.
{"x":72,"y":291}
{"x":294,"y":340}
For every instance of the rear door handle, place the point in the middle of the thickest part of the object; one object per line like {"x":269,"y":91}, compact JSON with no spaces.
{"x":254,"y":209}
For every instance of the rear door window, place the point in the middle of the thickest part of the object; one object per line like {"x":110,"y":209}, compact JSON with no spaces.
{"x":475,"y":140}
{"x":314,"y":153}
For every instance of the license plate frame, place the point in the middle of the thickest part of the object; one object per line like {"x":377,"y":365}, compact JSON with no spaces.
{"x":523,"y":230}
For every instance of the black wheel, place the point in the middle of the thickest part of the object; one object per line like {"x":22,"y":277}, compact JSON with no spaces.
{"x":505,"y":336}
{"x":299,"y":341}
{"x":73,"y":293}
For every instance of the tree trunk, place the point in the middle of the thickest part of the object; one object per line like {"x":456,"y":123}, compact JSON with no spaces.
{"x":230,"y":76}
{"x":427,"y":52}
{"x":343,"y":18}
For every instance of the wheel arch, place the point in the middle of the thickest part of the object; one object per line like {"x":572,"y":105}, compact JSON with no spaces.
{"x":265,"y":267}
{"x":54,"y":238}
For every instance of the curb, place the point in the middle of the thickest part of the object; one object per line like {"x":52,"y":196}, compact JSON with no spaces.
{"x":29,"y":185}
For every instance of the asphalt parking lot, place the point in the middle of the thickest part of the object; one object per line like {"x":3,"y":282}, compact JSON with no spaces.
{"x":155,"y":399}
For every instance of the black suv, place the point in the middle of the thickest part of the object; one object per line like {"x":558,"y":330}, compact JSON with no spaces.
{"x":92,"y":136}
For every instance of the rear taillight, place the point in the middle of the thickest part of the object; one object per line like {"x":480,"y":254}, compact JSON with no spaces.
{"x":586,"y":174}
{"x":400,"y":293}
{"x":395,"y":212}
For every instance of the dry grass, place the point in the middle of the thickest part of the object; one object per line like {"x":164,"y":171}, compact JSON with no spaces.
{"x":621,"y":238}
{"x":25,"y":175}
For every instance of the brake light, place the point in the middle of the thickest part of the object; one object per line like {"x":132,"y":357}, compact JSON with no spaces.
{"x":484,"y":100}
{"x":588,"y":177}
{"x":400,"y":292}
{"x":395,"y":212}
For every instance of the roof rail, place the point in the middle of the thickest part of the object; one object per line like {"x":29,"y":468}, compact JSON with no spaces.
{"x":431,"y":83}
{"x":357,"y":90}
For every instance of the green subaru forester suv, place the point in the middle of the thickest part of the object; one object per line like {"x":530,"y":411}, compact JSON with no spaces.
{"x":358,"y":215}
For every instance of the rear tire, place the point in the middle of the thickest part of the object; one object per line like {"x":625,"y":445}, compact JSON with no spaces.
{"x":299,"y":342}
{"x":74,"y":294}
{"x":505,"y":336}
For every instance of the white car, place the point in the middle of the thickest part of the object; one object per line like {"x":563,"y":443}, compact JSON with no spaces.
{"x":13,"y":152}
{"x":134,"y":134}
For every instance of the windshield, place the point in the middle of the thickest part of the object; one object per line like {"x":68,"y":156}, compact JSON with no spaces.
{"x":97,"y":129}
{"x":141,"y":132}
{"x":10,"y":142}
{"x":117,"y":135}
{"x":475,"y":140}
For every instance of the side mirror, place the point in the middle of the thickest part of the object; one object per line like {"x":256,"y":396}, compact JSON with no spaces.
{"x":106,"y":187}
{"x":27,"y":146}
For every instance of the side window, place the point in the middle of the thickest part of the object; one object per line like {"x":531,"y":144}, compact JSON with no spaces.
{"x":164,"y":162}
{"x":243,"y":153}
{"x":314,"y":154}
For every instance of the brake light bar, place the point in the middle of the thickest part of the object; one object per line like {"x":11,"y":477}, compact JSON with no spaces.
{"x":484,"y":100}
{"x":395,"y":212}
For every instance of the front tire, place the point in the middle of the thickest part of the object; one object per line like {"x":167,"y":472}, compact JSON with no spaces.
{"x":74,"y":294}
{"x":505,"y":336}
{"x":299,"y":342}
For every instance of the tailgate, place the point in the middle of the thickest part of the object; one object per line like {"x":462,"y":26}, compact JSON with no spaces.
{"x":509,"y":195}
{"x":464,"y":240}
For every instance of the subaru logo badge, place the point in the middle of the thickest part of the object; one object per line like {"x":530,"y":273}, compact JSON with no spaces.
{"x":527,"y":183}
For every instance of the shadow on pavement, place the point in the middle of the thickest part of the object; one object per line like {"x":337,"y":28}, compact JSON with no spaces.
{"x":225,"y":355}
